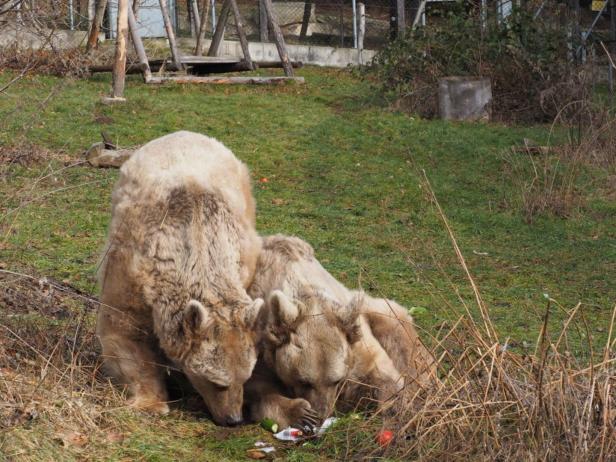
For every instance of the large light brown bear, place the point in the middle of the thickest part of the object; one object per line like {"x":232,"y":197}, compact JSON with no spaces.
{"x":317,"y":335}
{"x":182,"y":248}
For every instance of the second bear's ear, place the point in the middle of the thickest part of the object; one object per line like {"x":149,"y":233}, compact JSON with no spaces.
{"x":284,"y":314}
{"x":348,"y":316}
{"x":284,"y":310}
{"x":251,"y":313}
{"x":195,"y":317}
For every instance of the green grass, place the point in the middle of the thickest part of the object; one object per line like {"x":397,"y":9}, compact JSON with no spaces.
{"x":343,"y":173}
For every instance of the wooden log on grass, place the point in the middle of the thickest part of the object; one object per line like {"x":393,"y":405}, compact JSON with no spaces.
{"x":226,"y":80}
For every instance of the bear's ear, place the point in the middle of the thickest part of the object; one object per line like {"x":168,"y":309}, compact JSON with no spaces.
{"x":195,"y":317}
{"x":251,"y":313}
{"x":284,"y":310}
{"x":348,"y":315}
{"x":283,"y":315}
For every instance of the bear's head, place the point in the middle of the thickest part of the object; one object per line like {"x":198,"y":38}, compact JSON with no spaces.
{"x":308,"y":344}
{"x":219,"y":354}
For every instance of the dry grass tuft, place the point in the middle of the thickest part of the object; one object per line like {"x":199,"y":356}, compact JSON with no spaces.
{"x":492,"y":404}
{"x":49,"y":366}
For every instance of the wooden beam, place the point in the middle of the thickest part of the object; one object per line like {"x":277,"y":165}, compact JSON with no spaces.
{"x":138,"y":44}
{"x":612,"y":7}
{"x":239,"y":24}
{"x":95,"y":27}
{"x":175,"y":55}
{"x":119,"y":65}
{"x":225,"y":80}
{"x":278,"y":38}
{"x":220,"y":29}
{"x":305,"y":19}
{"x":263,"y":30}
{"x":205,"y":11}
{"x":196,"y":19}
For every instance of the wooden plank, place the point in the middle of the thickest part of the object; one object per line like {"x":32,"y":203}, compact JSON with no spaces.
{"x":175,"y":55}
{"x":209,"y":59}
{"x":138,"y":44}
{"x":95,"y":27}
{"x":278,"y":38}
{"x":119,"y":65}
{"x":226,"y":80}
{"x":205,"y":11}
{"x":197,"y":69}
{"x":239,"y":24}
{"x":220,"y":29}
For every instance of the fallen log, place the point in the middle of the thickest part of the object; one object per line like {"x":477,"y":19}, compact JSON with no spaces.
{"x":98,"y":156}
{"x":225,"y":80}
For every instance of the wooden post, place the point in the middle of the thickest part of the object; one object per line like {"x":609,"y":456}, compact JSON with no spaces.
{"x":361,"y":33}
{"x":305,"y":19}
{"x":341,"y":23}
{"x":220,"y":29}
{"x":119,"y":65}
{"x":95,"y":27}
{"x":241,"y":33}
{"x":278,"y":38}
{"x":136,"y":9}
{"x":401,"y":23}
{"x":205,"y":11}
{"x":177,"y":62}
{"x":612,"y":6}
{"x":138,"y":44}
{"x":196,"y":19}
{"x":263,"y":31}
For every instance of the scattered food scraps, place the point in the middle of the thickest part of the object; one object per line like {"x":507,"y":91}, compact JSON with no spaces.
{"x":289,"y":434}
{"x":269,"y":425}
{"x":326,"y":424}
{"x":384,"y":437}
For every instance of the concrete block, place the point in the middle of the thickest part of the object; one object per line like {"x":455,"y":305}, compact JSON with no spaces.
{"x":465,"y":98}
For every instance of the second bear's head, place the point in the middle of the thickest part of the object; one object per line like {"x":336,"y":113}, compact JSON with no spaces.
{"x":308,"y":343}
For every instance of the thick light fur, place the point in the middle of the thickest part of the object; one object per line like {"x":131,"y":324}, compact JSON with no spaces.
{"x":181,"y":250}
{"x":318,"y":335}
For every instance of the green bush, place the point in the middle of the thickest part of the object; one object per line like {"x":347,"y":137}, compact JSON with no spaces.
{"x":529,"y":61}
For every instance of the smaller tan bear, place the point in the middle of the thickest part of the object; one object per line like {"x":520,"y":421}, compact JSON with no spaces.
{"x":318,"y":335}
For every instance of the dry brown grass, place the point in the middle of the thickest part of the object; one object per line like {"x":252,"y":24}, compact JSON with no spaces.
{"x":492,"y":404}
{"x":550,"y":178}
{"x":49,"y":367}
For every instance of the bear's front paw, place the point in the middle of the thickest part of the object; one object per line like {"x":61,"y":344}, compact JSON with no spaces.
{"x":300,"y":414}
{"x":150,"y":405}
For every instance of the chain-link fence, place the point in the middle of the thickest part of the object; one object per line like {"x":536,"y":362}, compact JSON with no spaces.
{"x":320,"y":22}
